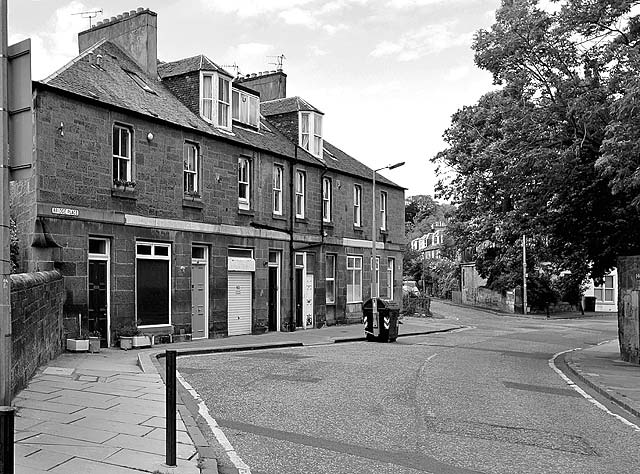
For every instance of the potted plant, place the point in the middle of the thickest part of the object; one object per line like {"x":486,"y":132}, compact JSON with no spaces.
{"x":141,"y":340}
{"x":129,"y":185}
{"x":94,"y":341}
{"x":79,"y":343}
{"x":125,"y":333}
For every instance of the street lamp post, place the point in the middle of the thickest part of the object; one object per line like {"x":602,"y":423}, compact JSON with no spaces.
{"x":374,"y":256}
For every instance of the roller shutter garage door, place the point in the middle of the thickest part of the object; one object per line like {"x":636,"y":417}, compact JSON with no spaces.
{"x":239,"y":297}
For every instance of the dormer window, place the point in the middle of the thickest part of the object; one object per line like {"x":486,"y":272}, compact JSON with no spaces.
{"x":311,"y":132}
{"x":215,"y":99}
{"x":245,"y":108}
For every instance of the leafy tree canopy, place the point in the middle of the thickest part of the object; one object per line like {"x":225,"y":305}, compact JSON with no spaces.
{"x":554,"y":152}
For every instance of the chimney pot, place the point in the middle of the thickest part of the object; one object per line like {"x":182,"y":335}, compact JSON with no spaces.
{"x":132,"y":12}
{"x":139,"y":9}
{"x":99,"y":23}
{"x":119,"y":17}
{"x":113,"y":18}
{"x":125,"y":14}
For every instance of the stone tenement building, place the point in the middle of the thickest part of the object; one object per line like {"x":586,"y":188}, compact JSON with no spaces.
{"x":178,"y":198}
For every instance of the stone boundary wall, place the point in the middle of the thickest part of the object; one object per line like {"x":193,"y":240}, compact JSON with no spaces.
{"x":36,"y":323}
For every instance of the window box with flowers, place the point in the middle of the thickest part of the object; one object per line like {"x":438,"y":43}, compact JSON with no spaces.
{"x":124,"y":188}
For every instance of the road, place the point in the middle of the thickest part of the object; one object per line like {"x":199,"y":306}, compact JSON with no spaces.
{"x":483,"y":399}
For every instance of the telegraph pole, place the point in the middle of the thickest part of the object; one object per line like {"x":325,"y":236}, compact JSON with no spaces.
{"x":5,"y":265}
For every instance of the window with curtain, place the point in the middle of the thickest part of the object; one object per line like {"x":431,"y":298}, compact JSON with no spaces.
{"x":357,"y":215}
{"x":278,"y":171}
{"x":300,"y":193}
{"x":244,"y":183}
{"x":326,"y":199}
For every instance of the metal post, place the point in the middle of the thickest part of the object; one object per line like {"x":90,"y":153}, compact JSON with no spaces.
{"x":374,"y":287}
{"x":5,"y":265}
{"x":6,"y":439}
{"x":170,"y":434}
{"x":524,"y":274}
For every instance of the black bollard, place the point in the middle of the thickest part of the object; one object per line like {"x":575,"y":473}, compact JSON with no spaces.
{"x":6,"y":439}
{"x":171,"y":408}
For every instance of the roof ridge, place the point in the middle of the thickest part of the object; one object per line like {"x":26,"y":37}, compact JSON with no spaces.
{"x":80,"y":56}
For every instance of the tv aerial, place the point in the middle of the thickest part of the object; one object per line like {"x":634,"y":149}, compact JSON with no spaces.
{"x":89,"y":14}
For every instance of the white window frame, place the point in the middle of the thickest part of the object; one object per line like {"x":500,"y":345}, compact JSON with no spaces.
{"x":391,"y":275}
{"x":224,"y":106}
{"x":383,"y":210}
{"x":326,"y":199}
{"x":187,"y":168}
{"x":602,"y":290}
{"x":122,"y":155}
{"x":354,"y":288}
{"x":244,"y":182}
{"x":330,"y":276}
{"x":357,"y":205}
{"x":301,"y":182}
{"x":154,"y":256}
{"x":220,"y":109}
{"x":314,"y":143}
{"x":278,"y":177}
{"x":245,"y":108}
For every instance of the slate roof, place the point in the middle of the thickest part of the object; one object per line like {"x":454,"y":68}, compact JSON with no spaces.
{"x":187,"y":65}
{"x":119,"y":82}
{"x":286,"y":105}
{"x":338,"y":160}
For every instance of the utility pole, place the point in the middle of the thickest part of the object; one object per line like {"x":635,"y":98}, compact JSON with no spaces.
{"x":524,"y":274}
{"x":5,"y":264}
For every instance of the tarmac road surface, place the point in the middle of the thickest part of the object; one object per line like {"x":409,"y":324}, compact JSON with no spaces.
{"x":483,"y":399}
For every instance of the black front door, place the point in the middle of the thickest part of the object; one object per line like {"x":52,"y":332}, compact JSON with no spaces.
{"x":273,"y":298}
{"x":97,"y":320}
{"x":299,"y":296}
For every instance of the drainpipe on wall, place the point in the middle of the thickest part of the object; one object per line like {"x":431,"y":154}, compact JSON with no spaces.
{"x":292,"y":255}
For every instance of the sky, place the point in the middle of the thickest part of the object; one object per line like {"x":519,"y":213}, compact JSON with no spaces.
{"x":388,"y":74}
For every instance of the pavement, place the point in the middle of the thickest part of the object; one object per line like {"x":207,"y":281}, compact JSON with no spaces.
{"x":105,"y":412}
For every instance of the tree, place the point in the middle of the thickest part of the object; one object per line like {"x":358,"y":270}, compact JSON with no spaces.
{"x":539,"y":156}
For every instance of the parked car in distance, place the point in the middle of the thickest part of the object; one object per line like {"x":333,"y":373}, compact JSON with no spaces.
{"x":409,"y":287}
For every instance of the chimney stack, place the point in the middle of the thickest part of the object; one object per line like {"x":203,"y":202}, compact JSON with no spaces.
{"x":270,"y":84}
{"x":135,"y":32}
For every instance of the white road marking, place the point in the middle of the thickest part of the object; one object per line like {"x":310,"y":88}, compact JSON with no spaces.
{"x":571,"y":384}
{"x":215,"y":428}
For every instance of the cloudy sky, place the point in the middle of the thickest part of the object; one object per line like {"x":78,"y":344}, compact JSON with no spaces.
{"x":387,"y":74}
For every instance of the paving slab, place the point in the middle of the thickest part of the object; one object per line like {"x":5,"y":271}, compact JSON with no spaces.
{"x":47,"y":406}
{"x":85,"y":466}
{"x":112,"y":415}
{"x":149,"y":445}
{"x":92,"y":451}
{"x":113,"y":426}
{"x":143,"y":461}
{"x":161,"y":422}
{"x":42,"y":459}
{"x":159,"y":433}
